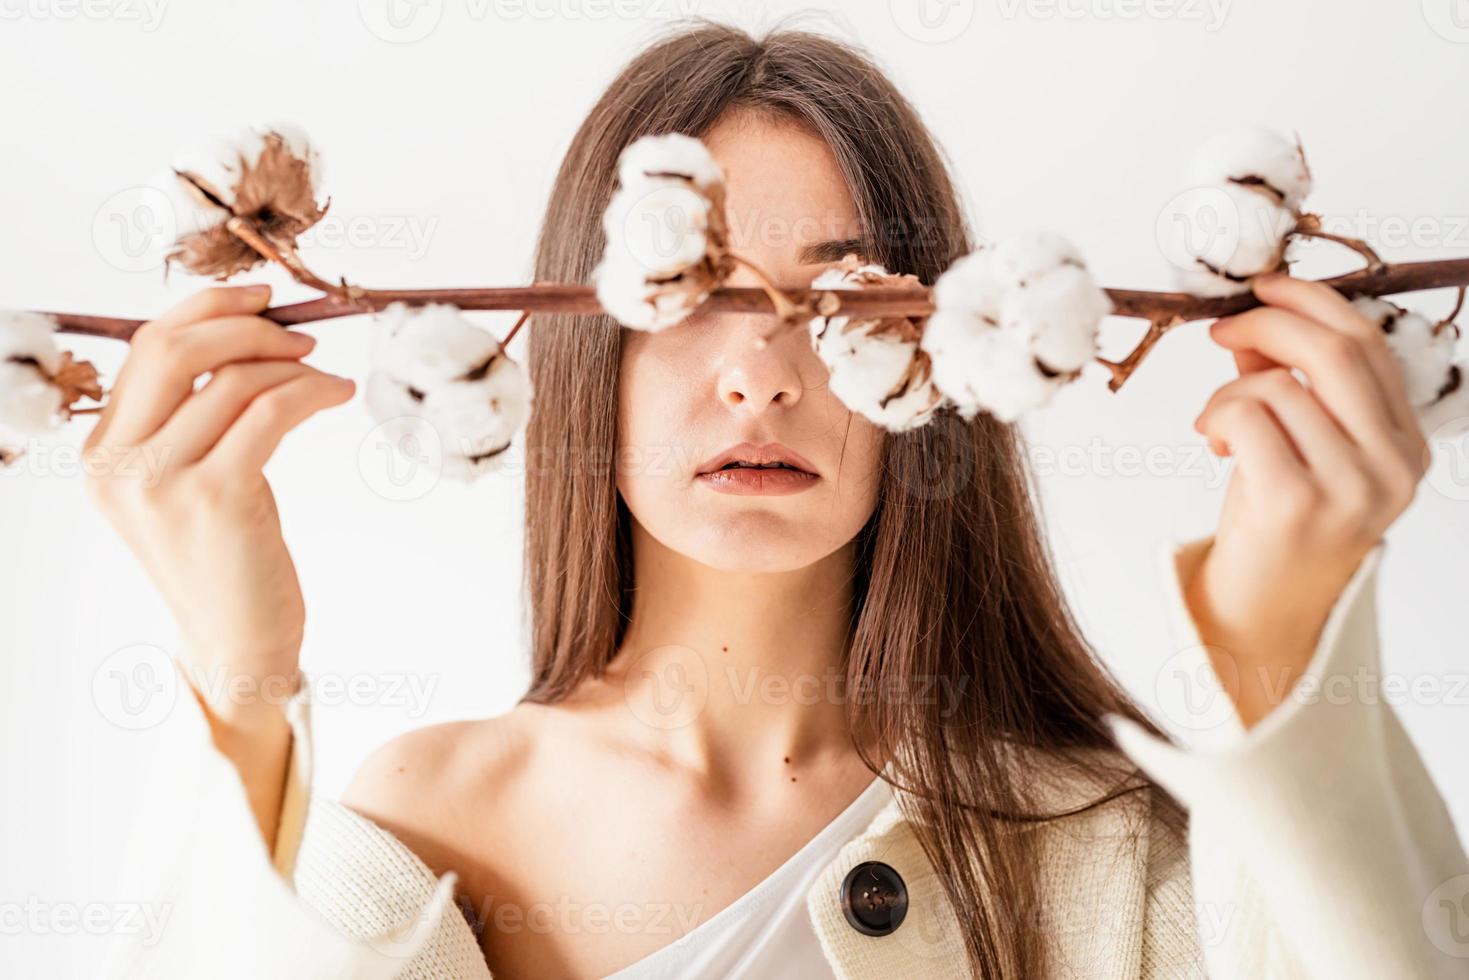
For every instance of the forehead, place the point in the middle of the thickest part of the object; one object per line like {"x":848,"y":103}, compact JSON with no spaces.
{"x":784,"y":189}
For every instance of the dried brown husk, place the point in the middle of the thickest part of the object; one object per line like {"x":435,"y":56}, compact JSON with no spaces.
{"x":274,"y":195}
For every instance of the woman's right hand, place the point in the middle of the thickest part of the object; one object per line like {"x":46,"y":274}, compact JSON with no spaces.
{"x":177,"y":472}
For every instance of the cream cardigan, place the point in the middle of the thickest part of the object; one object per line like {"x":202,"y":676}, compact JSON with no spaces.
{"x":1318,"y":848}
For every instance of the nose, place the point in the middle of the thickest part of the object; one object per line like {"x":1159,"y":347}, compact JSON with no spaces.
{"x":754,"y":374}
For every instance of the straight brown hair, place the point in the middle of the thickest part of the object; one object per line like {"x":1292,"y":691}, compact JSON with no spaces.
{"x":952,"y":581}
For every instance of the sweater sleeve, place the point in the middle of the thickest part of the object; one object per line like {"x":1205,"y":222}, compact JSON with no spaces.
{"x":1318,"y":845}
{"x":228,"y":907}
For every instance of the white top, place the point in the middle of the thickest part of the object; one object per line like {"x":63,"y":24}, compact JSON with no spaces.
{"x":1318,"y":848}
{"x":766,"y":932}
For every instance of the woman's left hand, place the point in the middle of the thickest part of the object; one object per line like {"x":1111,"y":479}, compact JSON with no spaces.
{"x":1320,"y":473}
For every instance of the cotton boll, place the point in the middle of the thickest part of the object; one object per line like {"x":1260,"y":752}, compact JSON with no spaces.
{"x":1013,"y":324}
{"x":666,"y":235}
{"x":1023,"y":259}
{"x":1436,"y":384}
{"x":1253,"y":156}
{"x":267,"y":176}
{"x":875,"y":365}
{"x":217,"y":165}
{"x":1230,"y":236}
{"x":970,"y":286}
{"x":626,"y":294}
{"x":31,"y":402}
{"x":1059,"y":313}
{"x":1425,"y":355}
{"x":984,"y":368}
{"x":651,"y":158}
{"x":884,"y":379}
{"x":663,"y":230}
{"x":1448,"y":416}
{"x":1201,"y":282}
{"x":432,"y":368}
{"x":30,"y":405}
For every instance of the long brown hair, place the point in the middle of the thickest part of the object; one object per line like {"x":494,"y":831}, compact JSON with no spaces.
{"x":952,"y":581}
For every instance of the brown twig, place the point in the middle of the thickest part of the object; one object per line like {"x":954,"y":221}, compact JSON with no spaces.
{"x":1122,"y":370}
{"x":287,"y":257}
{"x":1448,"y":321}
{"x":786,"y":309}
{"x":1308,"y":225}
{"x":876,"y":302}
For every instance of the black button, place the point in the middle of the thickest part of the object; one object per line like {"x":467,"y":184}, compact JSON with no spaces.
{"x":874,"y":899}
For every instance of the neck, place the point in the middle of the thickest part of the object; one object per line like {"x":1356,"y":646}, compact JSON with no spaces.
{"x":737,"y":674}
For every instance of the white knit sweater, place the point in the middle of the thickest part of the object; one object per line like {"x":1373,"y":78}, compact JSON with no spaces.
{"x":1318,"y":848}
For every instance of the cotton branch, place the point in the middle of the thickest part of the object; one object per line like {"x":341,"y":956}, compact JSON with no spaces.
{"x":1163,"y":310}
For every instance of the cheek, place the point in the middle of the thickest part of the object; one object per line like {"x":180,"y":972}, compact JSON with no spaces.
{"x":654,"y":393}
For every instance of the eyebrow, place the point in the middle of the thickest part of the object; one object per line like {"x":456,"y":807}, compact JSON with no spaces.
{"x":832,"y":251}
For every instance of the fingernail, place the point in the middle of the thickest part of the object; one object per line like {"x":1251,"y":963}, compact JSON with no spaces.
{"x":1269,"y":276}
{"x":302,"y":340}
{"x":260,"y":290}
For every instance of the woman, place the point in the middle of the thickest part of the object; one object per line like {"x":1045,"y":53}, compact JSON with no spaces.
{"x":834,"y":722}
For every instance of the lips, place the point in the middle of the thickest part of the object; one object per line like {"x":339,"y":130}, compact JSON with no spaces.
{"x":772,"y":455}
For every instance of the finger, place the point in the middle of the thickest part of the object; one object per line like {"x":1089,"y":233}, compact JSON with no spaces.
{"x":1325,"y":305}
{"x":1255,"y":438}
{"x":1313,"y":434}
{"x":1247,"y":361}
{"x":211,"y":304}
{"x":251,"y":441}
{"x":167,"y":366}
{"x":1335,"y":364}
{"x":192,"y":430}
{"x":205,"y":304}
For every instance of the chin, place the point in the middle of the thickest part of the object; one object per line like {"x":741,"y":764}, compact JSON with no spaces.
{"x":748,"y":535}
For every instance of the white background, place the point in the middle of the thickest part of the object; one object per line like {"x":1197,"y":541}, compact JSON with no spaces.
{"x":442,"y":127}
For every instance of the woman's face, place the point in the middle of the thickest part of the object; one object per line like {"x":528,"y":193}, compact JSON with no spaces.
{"x":688,"y":393}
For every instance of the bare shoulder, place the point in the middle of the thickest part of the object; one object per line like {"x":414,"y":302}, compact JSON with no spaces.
{"x":439,"y":786}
